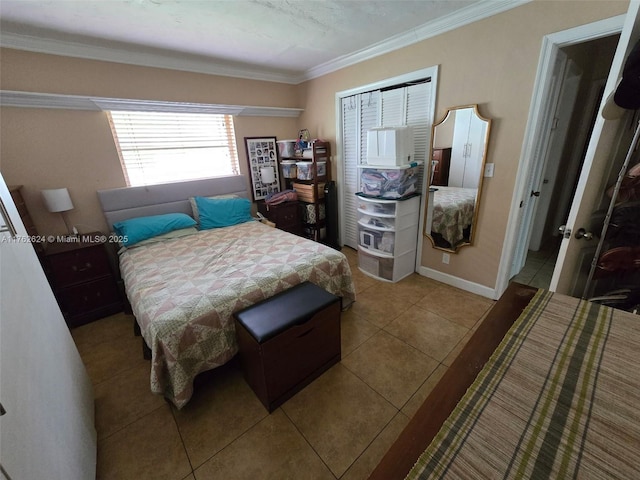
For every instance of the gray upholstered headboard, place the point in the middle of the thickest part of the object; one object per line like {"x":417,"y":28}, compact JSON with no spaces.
{"x":129,"y":202}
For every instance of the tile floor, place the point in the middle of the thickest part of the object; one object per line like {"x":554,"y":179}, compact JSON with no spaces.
{"x":397,"y":341}
{"x":538,"y":268}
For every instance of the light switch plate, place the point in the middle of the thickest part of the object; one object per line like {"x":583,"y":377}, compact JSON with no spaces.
{"x":488,"y":169}
{"x":445,"y":258}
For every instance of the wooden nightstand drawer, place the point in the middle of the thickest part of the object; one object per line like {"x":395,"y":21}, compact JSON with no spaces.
{"x":81,"y":274}
{"x":89,"y":296}
{"x":79,"y":266}
{"x":285,"y":215}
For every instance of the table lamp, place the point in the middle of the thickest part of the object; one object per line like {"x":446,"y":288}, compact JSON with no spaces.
{"x":57,"y":200}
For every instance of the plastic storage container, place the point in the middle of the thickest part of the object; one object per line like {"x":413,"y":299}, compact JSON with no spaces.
{"x":387,"y":233}
{"x":305,"y":170}
{"x":289,"y":169}
{"x":390,"y":146}
{"x":390,"y":183}
{"x":286,"y":148}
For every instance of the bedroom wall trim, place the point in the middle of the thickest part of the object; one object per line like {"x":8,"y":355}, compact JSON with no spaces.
{"x":12,"y":98}
{"x":192,"y":63}
{"x":168,"y":60}
{"x":458,"y":282}
{"x":466,"y":16}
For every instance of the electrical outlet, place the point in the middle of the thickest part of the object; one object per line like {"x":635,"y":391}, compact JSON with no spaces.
{"x":488,"y":169}
{"x":445,"y":258}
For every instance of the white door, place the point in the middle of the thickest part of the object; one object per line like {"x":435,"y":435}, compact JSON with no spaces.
{"x":569,"y":84}
{"x":48,"y":429}
{"x":601,"y":145}
{"x":475,"y":151}
{"x":459,"y":148}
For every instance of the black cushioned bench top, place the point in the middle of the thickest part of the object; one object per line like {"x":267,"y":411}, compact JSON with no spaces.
{"x":276,"y":314}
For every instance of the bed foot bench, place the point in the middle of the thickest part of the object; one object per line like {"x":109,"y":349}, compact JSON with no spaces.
{"x":287,"y":341}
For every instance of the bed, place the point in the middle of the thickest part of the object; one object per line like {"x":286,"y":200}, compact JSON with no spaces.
{"x":184,"y":289}
{"x":452,"y":214}
{"x":555,"y":394}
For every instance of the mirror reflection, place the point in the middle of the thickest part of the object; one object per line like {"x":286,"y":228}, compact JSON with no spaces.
{"x":458,"y":153}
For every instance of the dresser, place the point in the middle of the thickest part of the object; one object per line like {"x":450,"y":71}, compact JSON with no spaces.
{"x":82,"y":277}
{"x":285,"y":215}
{"x":442,"y":159}
{"x":16,"y":195}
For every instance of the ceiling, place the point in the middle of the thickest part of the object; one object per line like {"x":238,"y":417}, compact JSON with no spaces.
{"x":280,"y":40}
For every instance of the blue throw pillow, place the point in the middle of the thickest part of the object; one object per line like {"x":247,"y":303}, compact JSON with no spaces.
{"x":135,"y":230}
{"x":222,"y":212}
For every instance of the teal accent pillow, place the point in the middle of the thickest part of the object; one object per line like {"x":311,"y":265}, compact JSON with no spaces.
{"x":135,"y":230}
{"x":222,"y":212}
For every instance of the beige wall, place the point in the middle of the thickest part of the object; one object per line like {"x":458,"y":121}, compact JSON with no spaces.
{"x":50,"y":148}
{"x":491,"y":62}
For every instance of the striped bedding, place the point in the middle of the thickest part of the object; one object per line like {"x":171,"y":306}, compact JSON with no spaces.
{"x":559,"y":398}
{"x":184,"y":292}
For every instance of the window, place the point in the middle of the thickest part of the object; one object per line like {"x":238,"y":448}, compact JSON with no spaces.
{"x":161,"y":147}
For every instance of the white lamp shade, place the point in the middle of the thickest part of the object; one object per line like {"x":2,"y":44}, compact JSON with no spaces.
{"x":57,"y":200}
{"x":267,"y":175}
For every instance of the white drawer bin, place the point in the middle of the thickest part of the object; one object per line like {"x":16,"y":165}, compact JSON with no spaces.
{"x":390,"y":146}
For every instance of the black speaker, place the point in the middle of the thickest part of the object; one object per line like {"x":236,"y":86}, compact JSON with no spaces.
{"x":331,"y":213}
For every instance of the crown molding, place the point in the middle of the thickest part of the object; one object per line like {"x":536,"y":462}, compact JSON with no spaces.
{"x":130,"y":56}
{"x":477,"y":11}
{"x":460,"y":18}
{"x":11,"y":98}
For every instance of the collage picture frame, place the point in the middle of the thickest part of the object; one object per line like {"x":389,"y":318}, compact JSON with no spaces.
{"x":262,"y":156}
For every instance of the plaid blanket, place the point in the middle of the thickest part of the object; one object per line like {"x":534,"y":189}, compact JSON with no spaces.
{"x":184,"y":292}
{"x":559,"y":398}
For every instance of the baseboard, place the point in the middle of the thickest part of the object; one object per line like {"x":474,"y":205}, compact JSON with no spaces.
{"x":458,"y":283}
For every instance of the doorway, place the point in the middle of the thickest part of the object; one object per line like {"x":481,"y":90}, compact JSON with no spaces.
{"x":579,"y":76}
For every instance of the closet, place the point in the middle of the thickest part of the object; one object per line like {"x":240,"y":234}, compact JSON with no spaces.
{"x":467,"y":149}
{"x":402,"y":101}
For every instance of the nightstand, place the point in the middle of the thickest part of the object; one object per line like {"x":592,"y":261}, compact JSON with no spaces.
{"x":285,"y":215}
{"x":82,"y":278}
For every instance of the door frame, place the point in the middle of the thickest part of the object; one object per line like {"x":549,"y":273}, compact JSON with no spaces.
{"x":431,"y":72}
{"x":533,"y":137}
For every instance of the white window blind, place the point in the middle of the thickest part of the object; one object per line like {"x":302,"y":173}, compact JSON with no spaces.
{"x":162,"y":147}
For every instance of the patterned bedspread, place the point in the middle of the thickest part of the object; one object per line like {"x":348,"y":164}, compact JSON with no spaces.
{"x":453,"y":212}
{"x":184,"y":291}
{"x":559,"y":398}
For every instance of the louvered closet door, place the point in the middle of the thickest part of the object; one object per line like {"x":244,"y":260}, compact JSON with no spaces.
{"x":359,"y":114}
{"x":419,"y":115}
{"x":392,"y":107}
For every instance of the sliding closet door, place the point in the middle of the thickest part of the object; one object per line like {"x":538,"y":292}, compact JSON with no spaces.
{"x":359,"y":114}
{"x":390,"y":107}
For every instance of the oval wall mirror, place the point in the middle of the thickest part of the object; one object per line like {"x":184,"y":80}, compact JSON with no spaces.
{"x":458,"y":154}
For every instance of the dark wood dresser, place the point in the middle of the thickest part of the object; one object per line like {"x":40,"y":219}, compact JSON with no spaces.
{"x":16,"y":195}
{"x":285,"y":215}
{"x":441,"y":169}
{"x":82,"y":278}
